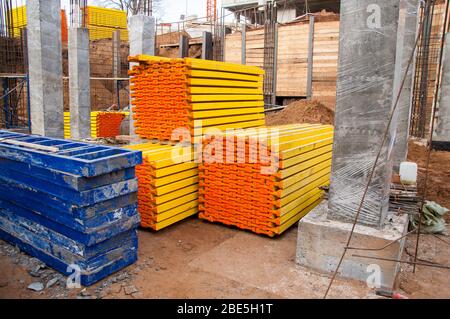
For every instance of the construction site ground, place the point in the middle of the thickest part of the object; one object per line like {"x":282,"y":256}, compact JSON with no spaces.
{"x":197,"y":259}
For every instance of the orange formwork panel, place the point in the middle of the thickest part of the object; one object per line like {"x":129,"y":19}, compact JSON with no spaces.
{"x":266,"y":179}
{"x":169,"y":95}
{"x":108,"y":123}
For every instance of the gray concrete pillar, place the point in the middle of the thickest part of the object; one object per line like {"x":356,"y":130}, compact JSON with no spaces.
{"x":141,"y":30}
{"x":367,"y":53}
{"x":442,"y":129}
{"x":207,"y":47}
{"x":79,"y":84}
{"x":406,"y":38}
{"x":45,"y":67}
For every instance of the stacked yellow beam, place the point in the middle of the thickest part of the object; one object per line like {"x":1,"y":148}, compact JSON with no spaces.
{"x":102,"y":22}
{"x":67,"y":125}
{"x":168,"y":184}
{"x":101,"y":124}
{"x":269,"y":184}
{"x":169,"y":94}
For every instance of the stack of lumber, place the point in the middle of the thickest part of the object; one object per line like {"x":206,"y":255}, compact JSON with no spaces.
{"x":168,"y":184}
{"x":169,"y":94}
{"x":272,"y":182}
{"x":292,"y":57}
{"x":403,"y":198}
{"x":103,"y":22}
{"x":103,"y":124}
{"x":72,"y":205}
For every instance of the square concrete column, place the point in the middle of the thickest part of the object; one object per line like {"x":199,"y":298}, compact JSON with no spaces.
{"x":141,"y":30}
{"x":367,"y":64}
{"x":45,"y":67}
{"x":441,"y":136}
{"x":367,"y":54}
{"x":406,"y":38}
{"x":79,"y":84}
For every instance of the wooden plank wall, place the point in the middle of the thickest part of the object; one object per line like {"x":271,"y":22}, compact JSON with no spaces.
{"x":293,"y":58}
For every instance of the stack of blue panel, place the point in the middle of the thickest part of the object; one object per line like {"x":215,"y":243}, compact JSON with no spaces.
{"x":72,"y":205}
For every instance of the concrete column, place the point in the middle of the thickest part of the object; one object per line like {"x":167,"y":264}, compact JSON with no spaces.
{"x":207,"y":47}
{"x":45,"y":67}
{"x":442,"y":130}
{"x":79,"y":84}
{"x":406,"y":38}
{"x":183,"y":47}
{"x":243,"y":43}
{"x":141,"y":30}
{"x":367,"y":54}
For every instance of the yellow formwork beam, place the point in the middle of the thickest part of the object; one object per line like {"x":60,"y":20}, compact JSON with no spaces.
{"x":224,"y":83}
{"x":225,"y":75}
{"x":201,"y":107}
{"x":304,"y":165}
{"x":223,"y":66}
{"x":178,"y":193}
{"x":220,"y":90}
{"x":292,"y":200}
{"x":300,"y":176}
{"x":176,"y":211}
{"x":230,"y":119}
{"x":162,"y":190}
{"x":162,"y":181}
{"x":177,"y":218}
{"x":177,"y":202}
{"x":225,"y":97}
{"x":228,"y":112}
{"x":299,"y":213}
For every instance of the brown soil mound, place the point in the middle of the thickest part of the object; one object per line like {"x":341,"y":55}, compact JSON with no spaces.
{"x":302,"y":111}
{"x":439,"y":173}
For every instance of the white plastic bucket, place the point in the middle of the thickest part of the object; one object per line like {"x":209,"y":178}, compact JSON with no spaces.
{"x":408,"y":173}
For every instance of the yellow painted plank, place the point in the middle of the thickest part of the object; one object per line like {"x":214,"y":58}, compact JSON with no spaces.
{"x":172,"y":187}
{"x":178,"y":193}
{"x":292,"y":200}
{"x":231,"y":97}
{"x":219,"y":90}
{"x":158,"y":182}
{"x":300,"y":213}
{"x":176,"y":211}
{"x":177,"y":202}
{"x":228,"y":119}
{"x":304,"y":165}
{"x":176,"y":218}
{"x":300,"y":176}
{"x":223,"y":66}
{"x":225,"y":105}
{"x":225,"y":75}
{"x":227,"y":112}
{"x":226,"y":83}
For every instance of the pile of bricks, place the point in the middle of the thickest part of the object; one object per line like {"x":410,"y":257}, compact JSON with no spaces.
{"x":168,"y":184}
{"x":72,"y":205}
{"x":103,"y":124}
{"x":268,"y":179}
{"x":169,"y":94}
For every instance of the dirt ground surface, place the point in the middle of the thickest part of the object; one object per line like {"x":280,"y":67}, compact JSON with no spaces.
{"x":197,"y":259}
{"x":438,"y":184}
{"x":302,"y":111}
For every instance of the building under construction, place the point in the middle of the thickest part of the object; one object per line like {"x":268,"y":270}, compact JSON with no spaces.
{"x":262,"y":149}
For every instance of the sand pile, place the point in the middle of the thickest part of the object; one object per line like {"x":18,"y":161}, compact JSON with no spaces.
{"x":302,"y":111}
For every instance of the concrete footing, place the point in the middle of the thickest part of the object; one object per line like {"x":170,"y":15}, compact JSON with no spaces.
{"x":321,"y":243}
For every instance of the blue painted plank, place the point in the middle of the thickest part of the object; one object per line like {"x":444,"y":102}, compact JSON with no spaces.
{"x":84,"y":198}
{"x":66,"y":180}
{"x":108,"y":159}
{"x":91,"y":237}
{"x":28,"y":230}
{"x":42,"y":202}
{"x":89,"y":275}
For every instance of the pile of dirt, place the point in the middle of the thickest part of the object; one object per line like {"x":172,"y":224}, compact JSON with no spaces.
{"x":438,"y":184}
{"x":302,"y":111}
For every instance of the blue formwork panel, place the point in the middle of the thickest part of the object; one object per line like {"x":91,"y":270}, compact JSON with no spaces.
{"x":41,"y":202}
{"x":68,"y":180}
{"x":92,"y":269}
{"x":67,"y":203}
{"x":76,"y":158}
{"x":127,"y":220}
{"x":83,"y":198}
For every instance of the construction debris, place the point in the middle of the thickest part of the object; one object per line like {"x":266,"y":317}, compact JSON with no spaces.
{"x":433,"y":221}
{"x":74,"y":208}
{"x":191,"y":94}
{"x":272,"y":183}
